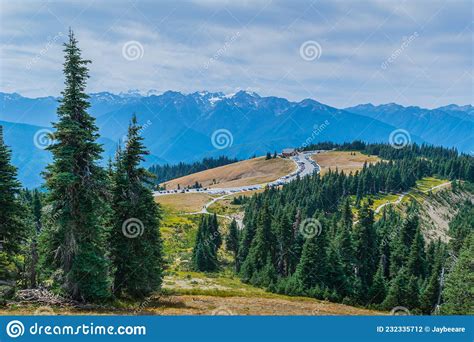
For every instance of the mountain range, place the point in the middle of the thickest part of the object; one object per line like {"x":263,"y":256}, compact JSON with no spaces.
{"x":181,"y":127}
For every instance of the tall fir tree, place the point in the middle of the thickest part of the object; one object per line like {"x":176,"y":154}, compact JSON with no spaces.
{"x":365,"y":248}
{"x":135,"y":241}
{"x":76,"y":239}
{"x":262,"y":249}
{"x":458,"y":293}
{"x":312,"y":268}
{"x":12,"y":228}
{"x":204,"y":256}
{"x":232,"y":241}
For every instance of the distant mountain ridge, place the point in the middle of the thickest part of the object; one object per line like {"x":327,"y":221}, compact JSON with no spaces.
{"x":180,"y":127}
{"x":451,"y":126}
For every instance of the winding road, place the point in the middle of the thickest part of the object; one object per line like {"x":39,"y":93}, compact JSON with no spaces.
{"x":400,"y":198}
{"x":305,"y":166}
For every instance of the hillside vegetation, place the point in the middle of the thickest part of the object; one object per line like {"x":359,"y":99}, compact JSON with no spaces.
{"x":247,"y":172}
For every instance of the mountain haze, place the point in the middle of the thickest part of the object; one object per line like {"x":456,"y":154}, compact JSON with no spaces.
{"x":179,"y":127}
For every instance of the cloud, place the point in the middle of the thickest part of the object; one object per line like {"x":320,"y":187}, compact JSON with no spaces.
{"x":229,"y":45}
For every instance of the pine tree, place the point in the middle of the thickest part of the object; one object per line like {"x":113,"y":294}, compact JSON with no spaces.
{"x":232,"y":240}
{"x":135,"y":241}
{"x":417,"y":258}
{"x":262,"y":247}
{"x":458,"y":293}
{"x":204,"y":256}
{"x":12,"y":228}
{"x":398,"y":292}
{"x":366,"y":248}
{"x":312,"y":268}
{"x":76,"y":241}
{"x":285,"y":242}
{"x":216,"y":238}
{"x":378,"y":290}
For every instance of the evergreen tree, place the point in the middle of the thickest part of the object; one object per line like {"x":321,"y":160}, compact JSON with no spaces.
{"x":458,"y":293}
{"x":366,"y":248}
{"x":216,"y":238}
{"x":417,"y":258}
{"x":262,"y":247}
{"x":135,"y":241}
{"x":12,"y":228}
{"x":378,"y":290}
{"x":204,"y":256}
{"x":312,"y":268}
{"x":232,"y":240}
{"x":398,"y":292}
{"x":285,"y":238}
{"x":76,"y":241}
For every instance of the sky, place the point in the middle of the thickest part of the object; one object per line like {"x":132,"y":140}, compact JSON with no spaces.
{"x":341,"y":53}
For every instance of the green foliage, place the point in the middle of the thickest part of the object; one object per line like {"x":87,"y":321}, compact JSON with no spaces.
{"x":208,"y":239}
{"x":166,"y":172}
{"x":12,"y":227}
{"x":386,"y":263}
{"x":135,"y":241}
{"x":232,"y":240}
{"x":75,"y":240}
{"x":458,"y":293}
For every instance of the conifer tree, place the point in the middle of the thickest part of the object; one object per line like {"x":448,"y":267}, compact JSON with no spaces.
{"x":285,"y":239}
{"x":262,"y":247}
{"x":378,"y":290}
{"x":76,"y":240}
{"x":458,"y":293}
{"x":365,"y":247}
{"x":232,"y":240}
{"x":398,"y":292}
{"x":312,"y":268}
{"x":135,"y":240}
{"x":216,"y":238}
{"x":12,"y":228}
{"x":204,"y":256}
{"x":417,"y":258}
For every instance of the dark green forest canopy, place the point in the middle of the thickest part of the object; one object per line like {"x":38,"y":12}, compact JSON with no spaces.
{"x":384,"y":263}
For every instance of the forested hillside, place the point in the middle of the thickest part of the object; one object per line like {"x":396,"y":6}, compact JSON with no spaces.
{"x":166,"y":172}
{"x":305,"y":240}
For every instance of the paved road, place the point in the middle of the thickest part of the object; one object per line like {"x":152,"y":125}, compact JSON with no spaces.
{"x":305,"y":166}
{"x":400,"y":198}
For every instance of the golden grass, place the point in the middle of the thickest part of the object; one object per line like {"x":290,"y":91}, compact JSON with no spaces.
{"x":193,"y":293}
{"x":343,"y":160}
{"x":198,"y":304}
{"x":247,"y":172}
{"x":184,"y":202}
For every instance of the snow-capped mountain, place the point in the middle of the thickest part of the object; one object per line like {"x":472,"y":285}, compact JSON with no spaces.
{"x":179,"y":127}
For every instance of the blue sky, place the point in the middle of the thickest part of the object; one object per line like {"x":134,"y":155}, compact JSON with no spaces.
{"x":409,"y":52}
